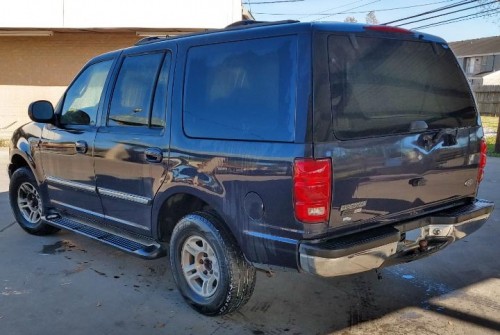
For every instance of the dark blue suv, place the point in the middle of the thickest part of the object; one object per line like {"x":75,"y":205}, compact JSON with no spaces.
{"x":329,"y":148}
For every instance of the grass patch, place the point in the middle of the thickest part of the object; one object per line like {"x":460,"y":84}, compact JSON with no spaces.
{"x":490,"y":142}
{"x":490,"y":123}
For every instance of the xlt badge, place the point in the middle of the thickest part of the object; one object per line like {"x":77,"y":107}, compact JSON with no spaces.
{"x":355,"y":207}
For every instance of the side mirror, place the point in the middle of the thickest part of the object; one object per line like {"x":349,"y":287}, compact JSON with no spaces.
{"x":41,"y":111}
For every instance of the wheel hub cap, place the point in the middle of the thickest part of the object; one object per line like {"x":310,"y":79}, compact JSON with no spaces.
{"x":28,"y":201}
{"x":200,"y":266}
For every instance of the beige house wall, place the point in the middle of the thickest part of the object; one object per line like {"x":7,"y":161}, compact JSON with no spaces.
{"x":16,"y":99}
{"x":41,"y":67}
{"x":53,"y":60}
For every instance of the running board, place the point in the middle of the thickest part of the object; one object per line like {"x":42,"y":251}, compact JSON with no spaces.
{"x":137,"y":245}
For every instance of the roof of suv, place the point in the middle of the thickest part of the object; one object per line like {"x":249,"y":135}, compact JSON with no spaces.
{"x":260,"y":28}
{"x":293,"y":25}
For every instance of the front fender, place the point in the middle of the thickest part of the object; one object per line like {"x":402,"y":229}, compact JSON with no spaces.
{"x":23,"y":149}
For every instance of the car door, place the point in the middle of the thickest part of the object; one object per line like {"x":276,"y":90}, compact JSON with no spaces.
{"x":131,"y":148}
{"x":66,"y":146}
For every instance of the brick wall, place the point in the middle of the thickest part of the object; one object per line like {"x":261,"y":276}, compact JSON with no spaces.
{"x":34,"y":68}
{"x":53,"y":60}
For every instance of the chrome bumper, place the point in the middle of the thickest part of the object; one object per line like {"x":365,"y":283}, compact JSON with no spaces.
{"x":404,"y":243}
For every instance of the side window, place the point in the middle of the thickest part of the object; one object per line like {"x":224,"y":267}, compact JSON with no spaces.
{"x":82,"y":98}
{"x":160,"y":100}
{"x":243,"y":90}
{"x":133,"y":94}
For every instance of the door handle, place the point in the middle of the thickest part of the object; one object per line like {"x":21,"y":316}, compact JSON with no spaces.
{"x":153,"y":155}
{"x":81,"y":147}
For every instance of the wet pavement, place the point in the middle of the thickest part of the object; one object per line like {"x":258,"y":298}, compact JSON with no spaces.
{"x":68,"y":284}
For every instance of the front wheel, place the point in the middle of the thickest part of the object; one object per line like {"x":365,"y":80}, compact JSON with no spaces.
{"x":27,"y":204}
{"x":208,"y":266}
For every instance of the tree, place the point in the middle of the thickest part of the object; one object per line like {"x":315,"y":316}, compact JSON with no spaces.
{"x":350,"y":19}
{"x":371,"y":18}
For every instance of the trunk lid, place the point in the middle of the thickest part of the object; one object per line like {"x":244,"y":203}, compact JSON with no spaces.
{"x":396,"y":115}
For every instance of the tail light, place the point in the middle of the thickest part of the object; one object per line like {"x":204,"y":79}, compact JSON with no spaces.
{"x":482,"y":160}
{"x":312,"y":188}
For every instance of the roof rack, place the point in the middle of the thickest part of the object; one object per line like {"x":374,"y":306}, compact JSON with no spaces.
{"x":151,"y":39}
{"x":244,"y":24}
{"x":253,"y":23}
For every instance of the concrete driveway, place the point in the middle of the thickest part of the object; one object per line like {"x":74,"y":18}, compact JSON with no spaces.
{"x":67,"y":284}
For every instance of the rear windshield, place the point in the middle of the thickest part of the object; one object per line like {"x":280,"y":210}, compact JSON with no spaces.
{"x":379,"y":86}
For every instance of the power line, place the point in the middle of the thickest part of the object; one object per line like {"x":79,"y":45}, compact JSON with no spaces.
{"x":458,"y":19}
{"x":270,"y":2}
{"x":358,"y":12}
{"x":461,"y":3}
{"x":326,"y":10}
{"x":330,"y":15}
{"x":448,"y":13}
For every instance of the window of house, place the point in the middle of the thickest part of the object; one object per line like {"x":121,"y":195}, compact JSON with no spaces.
{"x":243,"y":90}
{"x":487,"y":63}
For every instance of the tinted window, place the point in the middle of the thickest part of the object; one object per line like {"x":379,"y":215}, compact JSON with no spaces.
{"x":133,"y":93}
{"x":379,"y":86}
{"x":242,"y":90}
{"x":160,"y":99}
{"x":82,"y":98}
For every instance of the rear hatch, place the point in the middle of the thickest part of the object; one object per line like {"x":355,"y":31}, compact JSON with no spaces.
{"x":395,"y":113}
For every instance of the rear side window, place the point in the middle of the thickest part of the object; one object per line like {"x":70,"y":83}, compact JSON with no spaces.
{"x":243,"y":90}
{"x":133,"y":94}
{"x":380,"y":86}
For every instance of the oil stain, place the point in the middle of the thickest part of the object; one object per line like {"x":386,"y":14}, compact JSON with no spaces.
{"x":52,"y":249}
{"x":57,"y":248}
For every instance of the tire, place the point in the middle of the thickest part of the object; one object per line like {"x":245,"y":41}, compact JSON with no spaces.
{"x":220,"y":279}
{"x":26,"y":203}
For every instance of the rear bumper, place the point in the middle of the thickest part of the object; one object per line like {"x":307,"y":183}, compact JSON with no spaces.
{"x":392,"y":245}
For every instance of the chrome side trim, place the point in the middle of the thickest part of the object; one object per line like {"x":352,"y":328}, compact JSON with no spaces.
{"x":70,"y":183}
{"x":124,"y":196}
{"x":86,"y":211}
{"x":125,"y":222}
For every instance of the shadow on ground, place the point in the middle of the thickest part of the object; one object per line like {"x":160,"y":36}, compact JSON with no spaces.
{"x":63,"y":282}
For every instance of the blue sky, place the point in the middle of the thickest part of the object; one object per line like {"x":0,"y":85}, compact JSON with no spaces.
{"x":338,"y":10}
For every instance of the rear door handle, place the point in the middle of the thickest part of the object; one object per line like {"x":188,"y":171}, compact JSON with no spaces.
{"x":153,"y":155}
{"x":81,"y":147}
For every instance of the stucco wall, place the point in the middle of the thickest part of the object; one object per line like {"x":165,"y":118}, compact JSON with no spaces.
{"x":35,"y":68}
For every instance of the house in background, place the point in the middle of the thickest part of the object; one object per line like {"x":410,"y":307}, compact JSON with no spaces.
{"x":44,"y":43}
{"x":480,"y":59}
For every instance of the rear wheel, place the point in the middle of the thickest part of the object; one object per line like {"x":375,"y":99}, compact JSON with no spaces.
{"x":208,"y":266}
{"x":27,"y":204}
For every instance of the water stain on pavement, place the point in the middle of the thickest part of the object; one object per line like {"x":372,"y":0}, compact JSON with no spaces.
{"x":56,"y":248}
